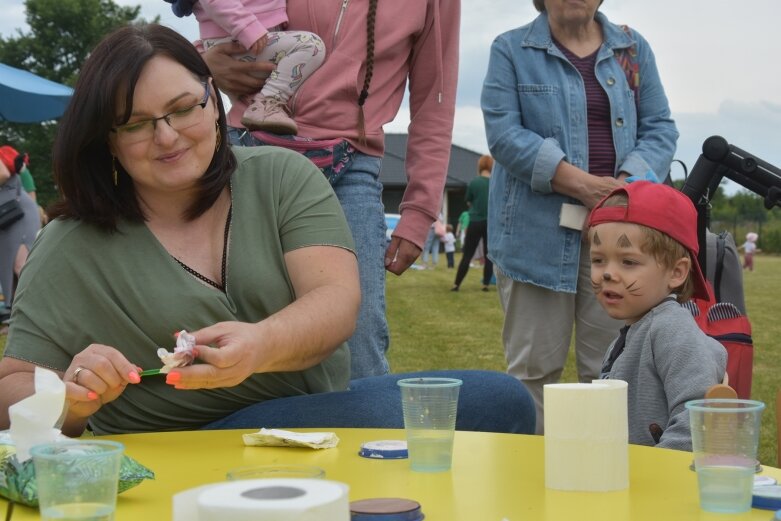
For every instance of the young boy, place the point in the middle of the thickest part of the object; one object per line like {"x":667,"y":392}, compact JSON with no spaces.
{"x":450,"y":246}
{"x":643,"y":239}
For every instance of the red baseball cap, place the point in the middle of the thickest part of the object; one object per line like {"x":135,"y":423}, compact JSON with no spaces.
{"x":12,"y":159}
{"x":662,"y":208}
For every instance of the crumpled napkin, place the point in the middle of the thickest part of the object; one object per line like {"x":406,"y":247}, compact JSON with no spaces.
{"x":33,"y":419}
{"x":182,"y":354}
{"x":281,"y":438}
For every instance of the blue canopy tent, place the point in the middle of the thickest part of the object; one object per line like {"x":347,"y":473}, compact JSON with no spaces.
{"x":27,"y":98}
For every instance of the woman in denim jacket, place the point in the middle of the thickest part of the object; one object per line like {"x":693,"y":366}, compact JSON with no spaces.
{"x":565,"y":127}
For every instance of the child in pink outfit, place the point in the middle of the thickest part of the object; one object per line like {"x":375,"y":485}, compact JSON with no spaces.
{"x":258,"y":25}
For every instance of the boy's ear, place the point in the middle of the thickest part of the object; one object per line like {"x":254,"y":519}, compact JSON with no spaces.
{"x":680,"y":272}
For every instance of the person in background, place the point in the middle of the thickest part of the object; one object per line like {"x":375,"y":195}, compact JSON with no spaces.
{"x":477,"y":201}
{"x":749,"y":249}
{"x":374,"y":50}
{"x":431,"y":246}
{"x":258,"y":25}
{"x":573,"y":105}
{"x":163,"y":226}
{"x":28,"y":183}
{"x":643,"y":244}
{"x":16,"y":239}
{"x":463,"y":224}
{"x":450,"y":246}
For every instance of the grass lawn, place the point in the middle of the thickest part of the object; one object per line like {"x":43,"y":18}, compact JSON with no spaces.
{"x":434,"y":328}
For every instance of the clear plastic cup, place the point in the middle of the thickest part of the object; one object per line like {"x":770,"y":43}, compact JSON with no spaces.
{"x":429,"y":406}
{"x":275,"y":471}
{"x":725,"y":435}
{"x":77,"y":480}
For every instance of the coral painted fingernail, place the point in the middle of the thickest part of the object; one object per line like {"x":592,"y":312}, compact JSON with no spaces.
{"x":133,"y":377}
{"x":173,"y":378}
{"x":195,"y":351}
{"x":92,"y":395}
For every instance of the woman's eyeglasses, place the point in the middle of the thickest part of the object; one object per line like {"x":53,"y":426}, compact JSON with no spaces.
{"x":180,"y":119}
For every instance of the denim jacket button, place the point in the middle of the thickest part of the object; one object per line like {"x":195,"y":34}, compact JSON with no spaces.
{"x":611,"y":81}
{"x":620,"y":122}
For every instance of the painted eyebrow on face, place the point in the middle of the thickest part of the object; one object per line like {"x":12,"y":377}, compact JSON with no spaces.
{"x":596,"y":240}
{"x":624,"y":242}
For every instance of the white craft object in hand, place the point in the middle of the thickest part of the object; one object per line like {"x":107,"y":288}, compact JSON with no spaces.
{"x":182,"y":354}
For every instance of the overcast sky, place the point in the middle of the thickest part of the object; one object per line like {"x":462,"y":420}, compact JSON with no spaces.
{"x":717,"y":59}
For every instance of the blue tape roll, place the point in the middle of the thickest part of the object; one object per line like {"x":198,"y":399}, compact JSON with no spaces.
{"x":767,"y":497}
{"x":384,"y":449}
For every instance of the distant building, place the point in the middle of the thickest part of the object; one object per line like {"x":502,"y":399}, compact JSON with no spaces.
{"x":462,"y":169}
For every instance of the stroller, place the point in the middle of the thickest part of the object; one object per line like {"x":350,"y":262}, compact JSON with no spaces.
{"x":724,"y":317}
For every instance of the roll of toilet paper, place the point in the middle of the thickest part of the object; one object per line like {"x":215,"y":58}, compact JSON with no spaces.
{"x":586,"y":436}
{"x":268,"y":499}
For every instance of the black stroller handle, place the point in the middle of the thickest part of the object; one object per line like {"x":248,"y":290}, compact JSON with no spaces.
{"x":719,"y":159}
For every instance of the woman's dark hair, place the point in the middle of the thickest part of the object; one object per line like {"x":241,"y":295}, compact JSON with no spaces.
{"x":83,"y":163}
{"x":540,"y":5}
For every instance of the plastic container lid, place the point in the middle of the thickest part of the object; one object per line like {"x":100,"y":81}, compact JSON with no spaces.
{"x":386,"y":509}
{"x":763,"y":481}
{"x":384,"y":449}
{"x":767,"y":497}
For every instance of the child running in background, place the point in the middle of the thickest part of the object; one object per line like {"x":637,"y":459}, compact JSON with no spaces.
{"x":643,"y":239}
{"x":450,"y":246}
{"x":258,"y":25}
{"x":749,"y":249}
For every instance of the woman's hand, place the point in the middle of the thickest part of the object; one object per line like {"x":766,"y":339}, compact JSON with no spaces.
{"x":400,"y":255}
{"x":95,"y":377}
{"x":588,"y":189}
{"x":235,"y":77}
{"x":228,"y":364}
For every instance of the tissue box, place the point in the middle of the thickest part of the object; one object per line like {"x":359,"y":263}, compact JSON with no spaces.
{"x":17,"y":480}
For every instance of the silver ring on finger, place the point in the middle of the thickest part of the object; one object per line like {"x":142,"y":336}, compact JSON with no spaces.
{"x":75,"y":377}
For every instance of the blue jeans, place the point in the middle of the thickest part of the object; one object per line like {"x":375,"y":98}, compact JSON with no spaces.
{"x":360,"y":193}
{"x":488,"y":401}
{"x":431,"y":247}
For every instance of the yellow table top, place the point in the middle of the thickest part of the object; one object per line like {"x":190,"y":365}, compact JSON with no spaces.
{"x":494,"y":477}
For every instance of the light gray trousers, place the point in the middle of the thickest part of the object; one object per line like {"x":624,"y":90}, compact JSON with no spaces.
{"x":538,"y":326}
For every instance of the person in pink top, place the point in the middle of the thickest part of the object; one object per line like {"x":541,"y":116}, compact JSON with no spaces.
{"x":258,"y":26}
{"x":374,"y":50}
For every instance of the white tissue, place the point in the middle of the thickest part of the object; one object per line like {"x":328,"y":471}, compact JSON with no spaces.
{"x":586,"y":436}
{"x":182,"y":354}
{"x":268,"y":499}
{"x":33,"y":419}
{"x":281,"y":438}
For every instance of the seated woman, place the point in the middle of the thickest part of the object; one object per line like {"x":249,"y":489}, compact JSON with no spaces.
{"x":162,"y":226}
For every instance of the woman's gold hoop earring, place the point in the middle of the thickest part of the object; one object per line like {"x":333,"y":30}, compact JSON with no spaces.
{"x":114,"y":172}
{"x":219,"y":137}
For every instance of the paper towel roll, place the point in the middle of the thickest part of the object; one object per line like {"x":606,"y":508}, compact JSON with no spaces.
{"x":586,"y":436}
{"x":276,"y":499}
